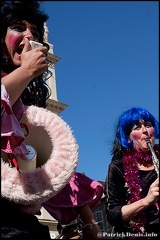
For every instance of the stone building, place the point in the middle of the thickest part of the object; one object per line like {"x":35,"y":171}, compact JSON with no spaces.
{"x":55,"y":106}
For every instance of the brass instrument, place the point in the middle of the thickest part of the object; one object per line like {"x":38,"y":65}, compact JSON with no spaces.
{"x":154,"y":157}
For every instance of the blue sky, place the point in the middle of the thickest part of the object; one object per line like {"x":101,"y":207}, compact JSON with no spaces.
{"x":109,"y":63}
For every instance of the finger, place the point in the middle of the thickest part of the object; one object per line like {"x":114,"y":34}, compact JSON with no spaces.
{"x":155,"y":183}
{"x":27,"y":46}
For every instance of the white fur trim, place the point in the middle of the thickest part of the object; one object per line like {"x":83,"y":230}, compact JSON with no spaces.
{"x":33,"y":188}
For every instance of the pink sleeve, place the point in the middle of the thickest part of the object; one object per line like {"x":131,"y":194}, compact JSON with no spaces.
{"x":12,"y":136}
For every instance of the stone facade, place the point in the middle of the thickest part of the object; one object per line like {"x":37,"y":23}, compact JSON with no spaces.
{"x":55,"y":106}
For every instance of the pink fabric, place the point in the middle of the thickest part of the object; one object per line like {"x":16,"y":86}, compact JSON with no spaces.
{"x":12,"y":136}
{"x":80,"y":190}
{"x":77,"y":192}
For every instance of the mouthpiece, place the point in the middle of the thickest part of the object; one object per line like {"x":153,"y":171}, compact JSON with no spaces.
{"x":147,"y":140}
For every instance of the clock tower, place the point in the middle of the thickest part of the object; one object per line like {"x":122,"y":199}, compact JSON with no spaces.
{"x":56,"y":107}
{"x":52,"y":103}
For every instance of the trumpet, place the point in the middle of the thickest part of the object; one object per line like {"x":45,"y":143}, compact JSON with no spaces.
{"x":154,"y":157}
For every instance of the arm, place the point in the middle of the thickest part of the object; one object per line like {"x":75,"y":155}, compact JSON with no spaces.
{"x":131,"y":210}
{"x":33,"y":63}
{"x":118,"y":209}
{"x":116,"y":193}
{"x":86,"y":214}
{"x":90,"y":227}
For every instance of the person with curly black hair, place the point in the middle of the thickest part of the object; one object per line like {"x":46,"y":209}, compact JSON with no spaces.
{"x":22,"y":68}
{"x":24,"y":92}
{"x":21,"y":80}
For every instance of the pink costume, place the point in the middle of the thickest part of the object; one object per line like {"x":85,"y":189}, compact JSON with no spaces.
{"x":12,"y":136}
{"x":63,"y":205}
{"x":80,"y":190}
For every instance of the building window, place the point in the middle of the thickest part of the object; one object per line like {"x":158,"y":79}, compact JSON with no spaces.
{"x":98,"y":215}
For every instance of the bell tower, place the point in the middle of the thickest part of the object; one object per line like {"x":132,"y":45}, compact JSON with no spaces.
{"x":56,"y":107}
{"x":52,"y":103}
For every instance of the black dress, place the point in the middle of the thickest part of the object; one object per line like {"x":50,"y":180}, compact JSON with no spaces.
{"x":117,"y":196}
{"x":20,"y":226}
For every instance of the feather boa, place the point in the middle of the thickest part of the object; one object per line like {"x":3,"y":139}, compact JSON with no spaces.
{"x":130,"y":159}
{"x":31,"y":189}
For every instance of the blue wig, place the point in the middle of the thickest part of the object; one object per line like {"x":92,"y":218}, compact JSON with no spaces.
{"x":130,"y":118}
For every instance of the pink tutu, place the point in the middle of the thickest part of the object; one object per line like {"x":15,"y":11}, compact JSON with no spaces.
{"x":80,"y":190}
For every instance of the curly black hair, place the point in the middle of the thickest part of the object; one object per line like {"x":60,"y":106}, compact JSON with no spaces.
{"x":37,"y":90}
{"x":29,"y":10}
